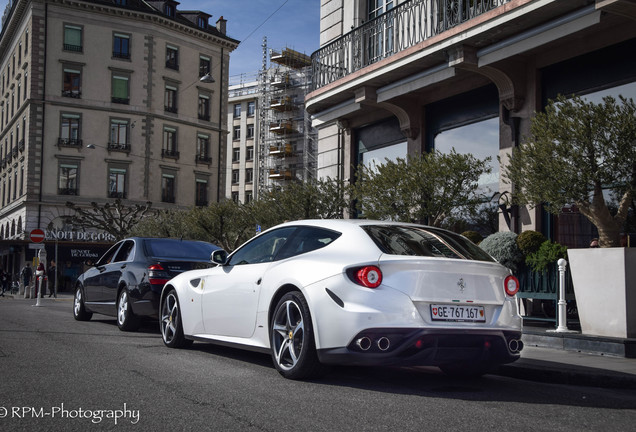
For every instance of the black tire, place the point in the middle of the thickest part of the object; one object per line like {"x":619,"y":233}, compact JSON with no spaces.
{"x":170,"y":322}
{"x":292,"y":339}
{"x":467,"y":370}
{"x":126,"y":318}
{"x":79,"y":308}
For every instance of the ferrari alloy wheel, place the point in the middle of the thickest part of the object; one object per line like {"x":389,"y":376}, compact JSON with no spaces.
{"x":126,"y":319}
{"x":79,"y":310}
{"x":171,"y":326}
{"x":292,"y":339}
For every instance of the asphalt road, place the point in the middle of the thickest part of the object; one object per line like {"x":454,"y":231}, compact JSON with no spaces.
{"x":60,"y":374}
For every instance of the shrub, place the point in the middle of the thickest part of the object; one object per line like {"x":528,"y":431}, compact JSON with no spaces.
{"x":473,"y":236}
{"x":547,"y":254}
{"x":530,"y":241}
{"x":503,"y":247}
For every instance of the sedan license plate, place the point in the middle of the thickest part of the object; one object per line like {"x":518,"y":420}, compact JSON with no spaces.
{"x":458,"y":313}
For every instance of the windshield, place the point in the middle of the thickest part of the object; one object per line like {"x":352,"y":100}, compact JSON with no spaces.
{"x":424,"y":241}
{"x":179,"y":249}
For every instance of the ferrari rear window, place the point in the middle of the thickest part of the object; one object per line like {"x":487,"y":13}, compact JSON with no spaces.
{"x":424,"y":241}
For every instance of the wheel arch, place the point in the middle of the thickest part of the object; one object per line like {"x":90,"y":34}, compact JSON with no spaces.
{"x":285,"y":289}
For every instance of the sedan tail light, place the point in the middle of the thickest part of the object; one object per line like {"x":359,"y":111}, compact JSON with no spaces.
{"x":157,"y":275}
{"x":511,"y":285}
{"x":367,"y":276}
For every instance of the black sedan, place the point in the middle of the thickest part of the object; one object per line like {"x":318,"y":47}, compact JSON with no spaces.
{"x":127,"y":280}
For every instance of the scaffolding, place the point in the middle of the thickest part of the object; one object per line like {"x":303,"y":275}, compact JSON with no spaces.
{"x":287,"y":142}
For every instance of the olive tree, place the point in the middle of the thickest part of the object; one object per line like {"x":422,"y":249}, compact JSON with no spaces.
{"x":427,"y":188}
{"x":575,"y":151}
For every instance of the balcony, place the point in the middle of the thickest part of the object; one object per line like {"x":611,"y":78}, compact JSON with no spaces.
{"x":121,"y":147}
{"x":170,"y":153}
{"x":69,"y":142}
{"x":121,"y":55}
{"x":201,"y":203}
{"x":120,"y":100}
{"x":67,"y":191}
{"x":74,"y":48}
{"x":72,"y":93}
{"x":120,"y":195}
{"x":167,"y":198}
{"x":205,"y":117}
{"x":172,"y":64}
{"x":201,"y":158}
{"x":391,"y":33}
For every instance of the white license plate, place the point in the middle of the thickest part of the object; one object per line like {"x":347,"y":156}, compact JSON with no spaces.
{"x":458,"y":313}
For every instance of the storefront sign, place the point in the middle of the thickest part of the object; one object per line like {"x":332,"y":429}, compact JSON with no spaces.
{"x":84,"y":254}
{"x":79,"y":236}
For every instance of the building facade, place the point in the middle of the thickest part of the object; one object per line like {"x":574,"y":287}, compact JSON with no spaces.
{"x":271,"y":140}
{"x":105,"y":100}
{"x":402,"y":77}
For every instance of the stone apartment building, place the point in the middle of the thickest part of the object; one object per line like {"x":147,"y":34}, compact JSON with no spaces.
{"x":103,"y":100}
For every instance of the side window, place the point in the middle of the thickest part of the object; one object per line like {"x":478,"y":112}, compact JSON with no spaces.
{"x":307,"y":239}
{"x":263,"y":248}
{"x":109,"y":255}
{"x":126,"y":251}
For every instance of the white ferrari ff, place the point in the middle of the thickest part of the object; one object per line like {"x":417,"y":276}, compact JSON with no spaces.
{"x":319,"y":292}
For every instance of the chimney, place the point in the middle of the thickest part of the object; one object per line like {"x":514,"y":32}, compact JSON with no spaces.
{"x":221,"y":25}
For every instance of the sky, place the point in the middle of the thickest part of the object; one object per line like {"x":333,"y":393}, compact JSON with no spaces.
{"x":291,"y":24}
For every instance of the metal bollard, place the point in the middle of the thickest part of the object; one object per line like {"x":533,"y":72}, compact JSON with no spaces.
{"x":562,"y":308}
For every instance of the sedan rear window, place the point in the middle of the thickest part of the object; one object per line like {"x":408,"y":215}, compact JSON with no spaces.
{"x":178,"y":249}
{"x":424,"y":241}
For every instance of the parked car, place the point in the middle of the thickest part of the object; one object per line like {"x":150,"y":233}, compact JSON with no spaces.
{"x":314,"y":293}
{"x":126,"y":282}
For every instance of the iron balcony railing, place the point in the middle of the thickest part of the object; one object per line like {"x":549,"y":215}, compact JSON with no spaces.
{"x":400,"y":28}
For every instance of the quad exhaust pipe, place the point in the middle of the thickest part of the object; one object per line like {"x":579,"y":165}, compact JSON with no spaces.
{"x":515,"y":345}
{"x":364,"y":343}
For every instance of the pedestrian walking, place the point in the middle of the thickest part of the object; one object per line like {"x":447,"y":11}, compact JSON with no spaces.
{"x":26,"y":275}
{"x":40,"y":279}
{"x":4,"y":280}
{"x":51,"y":275}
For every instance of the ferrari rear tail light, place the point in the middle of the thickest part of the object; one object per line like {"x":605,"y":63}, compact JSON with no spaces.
{"x":511,"y":285}
{"x":157,"y":275}
{"x":367,"y":276}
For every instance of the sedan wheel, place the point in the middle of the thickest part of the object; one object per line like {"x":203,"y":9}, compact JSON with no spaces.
{"x":126,"y":319}
{"x":79,"y":310}
{"x":171,"y":326}
{"x":293,"y":346}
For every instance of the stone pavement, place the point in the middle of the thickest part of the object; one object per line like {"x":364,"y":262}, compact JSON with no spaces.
{"x":571,"y":358}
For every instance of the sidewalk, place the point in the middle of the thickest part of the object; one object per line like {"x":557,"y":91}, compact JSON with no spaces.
{"x":572,"y":358}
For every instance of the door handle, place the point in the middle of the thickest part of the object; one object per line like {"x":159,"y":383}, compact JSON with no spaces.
{"x":258,"y":282}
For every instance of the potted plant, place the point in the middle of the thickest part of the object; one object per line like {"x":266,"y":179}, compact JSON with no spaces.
{"x":575,"y":154}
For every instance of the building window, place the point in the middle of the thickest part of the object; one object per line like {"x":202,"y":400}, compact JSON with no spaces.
{"x":24,"y":95}
{"x":235,"y":176}
{"x":120,"y":90}
{"x":204,"y":66}
{"x":167,"y":188}
{"x":169,"y":10}
{"x":172,"y":57}
{"x":68,"y":183}
{"x":26,"y":42}
{"x":202,"y":23}
{"x":71,"y":86}
{"x":251,"y":108}
{"x":250,"y":131}
{"x":237,"y":133}
{"x":119,"y":130}
{"x":121,"y":46}
{"x":170,"y":99}
{"x":204,"y":107}
{"x":249,"y":175}
{"x":235,"y":197}
{"x":70,"y":131}
{"x":72,"y":38}
{"x":248,"y":197}
{"x":203,"y":144}
{"x":236,"y":154}
{"x":21,"y":180}
{"x":237,"y":110}
{"x":201,"y":193}
{"x":249,"y":154}
{"x":117,"y":183}
{"x":169,"y":143}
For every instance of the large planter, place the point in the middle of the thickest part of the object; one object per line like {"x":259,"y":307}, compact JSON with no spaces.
{"x":605,"y":289}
